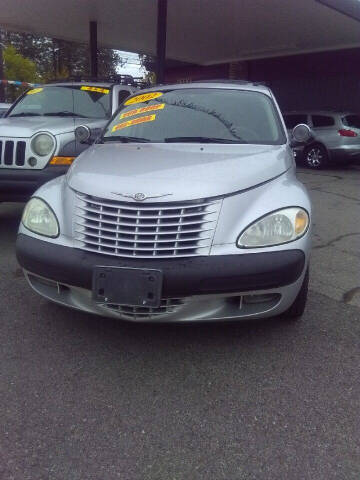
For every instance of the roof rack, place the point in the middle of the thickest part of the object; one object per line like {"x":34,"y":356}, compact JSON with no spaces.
{"x":116,"y":79}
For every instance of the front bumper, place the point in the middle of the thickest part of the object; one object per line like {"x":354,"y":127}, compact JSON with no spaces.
{"x":195,"y":288}
{"x":17,"y":184}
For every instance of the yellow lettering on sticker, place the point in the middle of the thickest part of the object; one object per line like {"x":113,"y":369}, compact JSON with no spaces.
{"x":34,"y":90}
{"x":95,"y":89}
{"x":136,"y":111}
{"x":136,"y":121}
{"x":145,"y":97}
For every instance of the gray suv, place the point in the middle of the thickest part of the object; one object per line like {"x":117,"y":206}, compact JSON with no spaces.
{"x":37,"y":134}
{"x":336,"y":137}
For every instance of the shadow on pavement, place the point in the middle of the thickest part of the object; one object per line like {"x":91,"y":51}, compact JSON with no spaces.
{"x":10,"y":216}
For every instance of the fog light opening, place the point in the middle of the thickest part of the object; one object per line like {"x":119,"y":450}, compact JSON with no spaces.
{"x":263,"y":298}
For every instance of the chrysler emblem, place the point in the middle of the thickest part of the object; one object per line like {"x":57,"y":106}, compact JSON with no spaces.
{"x":140,"y":197}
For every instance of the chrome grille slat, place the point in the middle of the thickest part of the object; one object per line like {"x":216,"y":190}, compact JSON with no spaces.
{"x":114,"y":230}
{"x":126,"y":240}
{"x":136,"y":247}
{"x":146,"y":225}
{"x":129,"y":229}
{"x":145,"y":217}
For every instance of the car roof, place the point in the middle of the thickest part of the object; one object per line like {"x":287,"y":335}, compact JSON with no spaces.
{"x":226,"y":84}
{"x":320,"y":112}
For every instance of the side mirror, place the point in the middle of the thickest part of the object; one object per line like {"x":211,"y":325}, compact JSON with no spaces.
{"x":301,"y":133}
{"x":83,"y":134}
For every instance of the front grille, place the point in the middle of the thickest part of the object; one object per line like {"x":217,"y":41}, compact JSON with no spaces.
{"x":168,"y":305}
{"x":127,"y":229}
{"x":12,"y":153}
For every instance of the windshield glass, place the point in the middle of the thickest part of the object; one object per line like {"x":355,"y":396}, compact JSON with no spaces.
{"x":77,"y":101}
{"x":209,"y":115}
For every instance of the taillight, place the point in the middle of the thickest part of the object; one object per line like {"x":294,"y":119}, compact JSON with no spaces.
{"x":347,"y":133}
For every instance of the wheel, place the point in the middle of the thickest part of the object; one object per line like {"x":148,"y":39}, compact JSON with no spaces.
{"x":296,"y":310}
{"x":315,"y":156}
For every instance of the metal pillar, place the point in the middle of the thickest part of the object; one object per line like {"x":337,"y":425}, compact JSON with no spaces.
{"x":93,"y":49}
{"x":2,"y":89}
{"x":161,"y":41}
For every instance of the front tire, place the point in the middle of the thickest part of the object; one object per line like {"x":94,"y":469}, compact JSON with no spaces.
{"x":316,"y":156}
{"x":296,"y":310}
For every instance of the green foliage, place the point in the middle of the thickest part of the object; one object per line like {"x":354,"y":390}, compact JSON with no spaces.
{"x":17,"y":67}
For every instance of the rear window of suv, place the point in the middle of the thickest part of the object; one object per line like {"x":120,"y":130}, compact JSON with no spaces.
{"x":352,"y":121}
{"x":322,"y":121}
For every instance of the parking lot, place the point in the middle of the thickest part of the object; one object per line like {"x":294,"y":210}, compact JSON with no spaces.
{"x":90,"y":398}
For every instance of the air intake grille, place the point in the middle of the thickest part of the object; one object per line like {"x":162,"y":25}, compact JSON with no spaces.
{"x":127,"y":229}
{"x":168,"y":305}
{"x":12,"y":153}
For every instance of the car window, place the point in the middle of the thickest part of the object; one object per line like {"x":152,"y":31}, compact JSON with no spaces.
{"x":322,"y":121}
{"x":122,"y":95}
{"x":197,"y":115}
{"x":291,"y":120}
{"x":351,"y":121}
{"x":82,"y":101}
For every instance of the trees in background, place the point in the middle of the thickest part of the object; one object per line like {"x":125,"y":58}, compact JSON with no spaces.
{"x":33,"y":58}
{"x":17,"y":67}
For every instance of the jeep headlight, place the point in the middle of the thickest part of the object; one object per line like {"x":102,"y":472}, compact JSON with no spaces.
{"x":278,"y":227}
{"x":39,"y":218}
{"x":42,"y":144}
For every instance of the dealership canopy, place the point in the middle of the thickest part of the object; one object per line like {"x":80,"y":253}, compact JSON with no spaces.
{"x":201,"y":32}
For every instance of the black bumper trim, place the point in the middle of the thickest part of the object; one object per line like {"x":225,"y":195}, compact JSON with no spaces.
{"x":182,"y":276}
{"x":17,"y":184}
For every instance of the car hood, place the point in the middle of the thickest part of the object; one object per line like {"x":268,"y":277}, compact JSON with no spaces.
{"x":185,"y":172}
{"x":25,"y":127}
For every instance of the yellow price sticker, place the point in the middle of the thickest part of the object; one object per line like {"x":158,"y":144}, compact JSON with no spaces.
{"x":136,"y":111}
{"x":34,"y":90}
{"x":95,"y":89}
{"x":136,"y":121}
{"x":145,"y":97}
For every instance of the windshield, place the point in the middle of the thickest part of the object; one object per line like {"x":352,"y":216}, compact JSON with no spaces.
{"x":200,"y":115}
{"x":76,"y":101}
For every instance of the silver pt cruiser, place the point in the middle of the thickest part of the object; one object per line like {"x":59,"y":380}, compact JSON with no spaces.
{"x":186,"y":208}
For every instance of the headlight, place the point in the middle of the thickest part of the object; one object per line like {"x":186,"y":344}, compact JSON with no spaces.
{"x":42,"y":144}
{"x":39,"y":218}
{"x":278,"y":227}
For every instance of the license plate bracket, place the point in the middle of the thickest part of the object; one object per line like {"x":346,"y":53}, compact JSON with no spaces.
{"x":135,"y":287}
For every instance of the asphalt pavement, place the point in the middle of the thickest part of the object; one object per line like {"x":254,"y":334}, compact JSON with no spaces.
{"x":87,"y":398}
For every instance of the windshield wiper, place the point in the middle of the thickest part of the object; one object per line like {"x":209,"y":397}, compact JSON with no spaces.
{"x":25,"y":114}
{"x":64,"y":114}
{"x":124,"y":139}
{"x":201,"y":140}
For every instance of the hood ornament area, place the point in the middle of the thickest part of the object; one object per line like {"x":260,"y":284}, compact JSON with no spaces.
{"x":140,"y":197}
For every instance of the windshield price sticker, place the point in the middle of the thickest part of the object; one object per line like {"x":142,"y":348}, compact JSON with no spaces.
{"x":34,"y":90}
{"x":150,"y":108}
{"x":136,"y":121}
{"x":145,"y":97}
{"x":95,"y":89}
